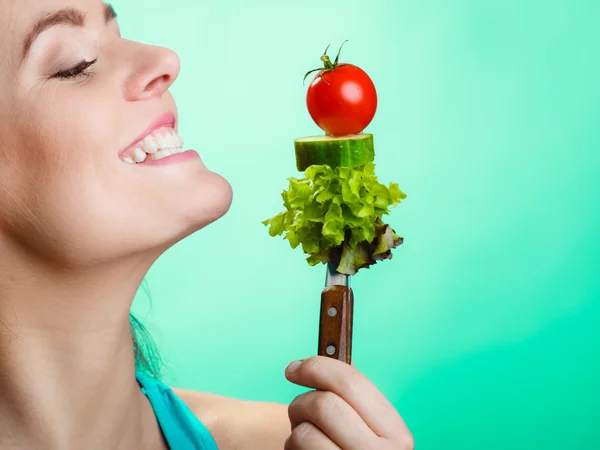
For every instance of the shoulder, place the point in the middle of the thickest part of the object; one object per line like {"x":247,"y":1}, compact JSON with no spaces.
{"x":239,"y":424}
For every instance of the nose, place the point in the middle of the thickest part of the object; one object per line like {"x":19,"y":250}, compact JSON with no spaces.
{"x":154,"y":69}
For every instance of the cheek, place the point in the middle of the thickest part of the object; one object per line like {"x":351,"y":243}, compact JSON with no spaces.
{"x":59,"y":186}
{"x":78,"y":204}
{"x":59,"y":208}
{"x":81,"y":211}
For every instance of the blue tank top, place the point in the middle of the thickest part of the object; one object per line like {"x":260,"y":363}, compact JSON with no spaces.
{"x":180,"y":427}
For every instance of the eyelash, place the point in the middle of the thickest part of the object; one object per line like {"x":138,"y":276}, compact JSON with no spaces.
{"x":77,"y":71}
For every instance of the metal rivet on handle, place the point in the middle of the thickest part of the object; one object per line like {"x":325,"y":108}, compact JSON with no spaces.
{"x":330,"y":350}
{"x":332,"y":311}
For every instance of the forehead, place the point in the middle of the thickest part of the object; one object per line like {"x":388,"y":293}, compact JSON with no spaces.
{"x":17,"y":17}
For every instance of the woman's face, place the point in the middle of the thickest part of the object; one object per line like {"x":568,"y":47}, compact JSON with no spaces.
{"x":66,"y":192}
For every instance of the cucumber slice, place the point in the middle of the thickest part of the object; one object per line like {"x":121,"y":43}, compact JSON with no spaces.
{"x":346,"y":151}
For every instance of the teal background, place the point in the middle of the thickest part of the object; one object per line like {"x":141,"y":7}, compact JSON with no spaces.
{"x":483,"y":329}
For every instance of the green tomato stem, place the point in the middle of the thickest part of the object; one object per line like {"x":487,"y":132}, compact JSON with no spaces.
{"x":327,"y":62}
{"x":328,"y":66}
{"x":337,"y":58}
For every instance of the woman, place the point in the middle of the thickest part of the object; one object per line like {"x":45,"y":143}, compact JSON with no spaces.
{"x":81,"y":222}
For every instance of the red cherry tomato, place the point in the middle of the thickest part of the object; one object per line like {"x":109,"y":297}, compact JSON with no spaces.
{"x":342,"y":100}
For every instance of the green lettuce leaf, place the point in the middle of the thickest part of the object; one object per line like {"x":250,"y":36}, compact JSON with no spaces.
{"x":336,"y":216}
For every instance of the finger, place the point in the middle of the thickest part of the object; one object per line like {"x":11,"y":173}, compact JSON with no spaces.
{"x":328,"y":374}
{"x":334,"y":417}
{"x":308,"y":437}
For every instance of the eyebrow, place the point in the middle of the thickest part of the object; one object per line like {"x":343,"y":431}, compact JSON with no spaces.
{"x":68,"y":16}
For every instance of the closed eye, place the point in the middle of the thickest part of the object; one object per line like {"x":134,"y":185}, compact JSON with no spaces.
{"x":80,"y":69}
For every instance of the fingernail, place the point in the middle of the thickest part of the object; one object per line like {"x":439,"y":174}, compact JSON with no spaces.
{"x":293,"y":366}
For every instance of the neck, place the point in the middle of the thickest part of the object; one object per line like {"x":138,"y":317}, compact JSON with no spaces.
{"x":67,"y":370}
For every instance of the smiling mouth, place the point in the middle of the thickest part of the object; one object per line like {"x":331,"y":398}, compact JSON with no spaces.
{"x":160,"y":143}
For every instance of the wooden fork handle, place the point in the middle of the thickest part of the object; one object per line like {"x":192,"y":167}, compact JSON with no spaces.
{"x":335,"y":324}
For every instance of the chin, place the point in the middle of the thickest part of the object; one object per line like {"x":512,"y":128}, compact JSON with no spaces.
{"x":214,"y":196}
{"x":203,"y":200}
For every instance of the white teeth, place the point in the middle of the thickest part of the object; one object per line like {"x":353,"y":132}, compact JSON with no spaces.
{"x":169,"y":140}
{"x":163,"y":153}
{"x":157,"y":146}
{"x":139,"y":155}
{"x":149,"y":145}
{"x":160,"y":140}
{"x":158,"y":155}
{"x":177,"y":140}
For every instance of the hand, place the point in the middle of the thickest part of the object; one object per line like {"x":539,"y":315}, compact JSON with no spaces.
{"x":345,"y":412}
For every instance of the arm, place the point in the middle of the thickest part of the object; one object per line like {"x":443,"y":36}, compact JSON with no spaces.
{"x":240,"y":424}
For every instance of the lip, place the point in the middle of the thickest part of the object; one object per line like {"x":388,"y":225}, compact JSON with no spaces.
{"x":172,"y":159}
{"x":165,"y":119}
